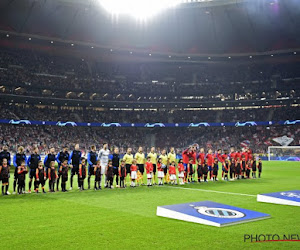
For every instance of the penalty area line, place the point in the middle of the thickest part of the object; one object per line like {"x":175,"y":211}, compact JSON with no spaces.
{"x":214,"y":191}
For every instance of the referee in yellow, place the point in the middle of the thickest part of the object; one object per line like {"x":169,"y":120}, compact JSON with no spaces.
{"x":153,"y":158}
{"x":128,"y":158}
{"x":140,"y":160}
{"x":164,"y":161}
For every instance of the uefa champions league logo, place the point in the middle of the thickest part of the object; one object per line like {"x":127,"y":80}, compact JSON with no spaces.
{"x":65,"y":124}
{"x":290,"y":194}
{"x":17,"y":122}
{"x":219,"y":212}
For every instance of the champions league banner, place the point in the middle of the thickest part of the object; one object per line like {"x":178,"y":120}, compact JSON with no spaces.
{"x":291,"y":198}
{"x":210,"y":213}
{"x":149,"y":125}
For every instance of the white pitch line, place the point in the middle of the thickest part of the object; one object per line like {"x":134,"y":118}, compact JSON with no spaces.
{"x":214,"y":191}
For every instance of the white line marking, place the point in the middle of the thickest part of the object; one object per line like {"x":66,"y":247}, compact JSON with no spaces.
{"x":214,"y":191}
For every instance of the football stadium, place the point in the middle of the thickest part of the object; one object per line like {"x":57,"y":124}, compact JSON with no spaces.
{"x":150,"y":124}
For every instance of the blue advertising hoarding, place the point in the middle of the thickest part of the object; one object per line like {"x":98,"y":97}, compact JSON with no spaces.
{"x":210,"y":213}
{"x":284,"y":198}
{"x":149,"y":125}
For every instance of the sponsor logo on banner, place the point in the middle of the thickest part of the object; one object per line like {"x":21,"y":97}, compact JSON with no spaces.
{"x":64,"y":124}
{"x":114,"y":124}
{"x":291,"y":194}
{"x":291,"y":197}
{"x":210,"y":213}
{"x":283,"y":140}
{"x":16,"y":122}
{"x":219,"y":212}
{"x":243,"y":124}
{"x":288,"y":122}
{"x":201,"y":124}
{"x":152,"y":125}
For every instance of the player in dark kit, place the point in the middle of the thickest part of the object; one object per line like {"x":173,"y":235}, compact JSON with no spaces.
{"x":52,"y":175}
{"x":253,"y":164}
{"x":60,"y":158}
{"x":97,"y":173}
{"x":226,"y":167}
{"x":215,"y":168}
{"x":64,"y":169}
{"x":4,"y":176}
{"x":248,"y":169}
{"x":82,"y":173}
{"x":75,"y":161}
{"x":190,"y":170}
{"x":116,"y":162}
{"x":40,"y":178}
{"x":18,"y":158}
{"x":244,"y":166}
{"x":5,"y":155}
{"x":92,"y":161}
{"x":32,"y":163}
{"x":232,"y":168}
{"x":21,"y":176}
{"x":205,"y":170}
{"x":122,"y":174}
{"x":49,"y":158}
{"x":238,"y":168}
{"x":259,"y":166}
{"x":109,"y":174}
{"x":199,"y":169}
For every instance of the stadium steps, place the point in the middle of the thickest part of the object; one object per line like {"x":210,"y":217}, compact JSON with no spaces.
{"x":77,"y":117}
{"x":218,"y":116}
{"x":270,"y":115}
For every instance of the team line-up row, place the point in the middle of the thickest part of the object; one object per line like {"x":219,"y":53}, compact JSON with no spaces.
{"x":235,"y":165}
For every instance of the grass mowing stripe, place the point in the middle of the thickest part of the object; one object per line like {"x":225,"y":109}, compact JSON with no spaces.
{"x":214,"y":191}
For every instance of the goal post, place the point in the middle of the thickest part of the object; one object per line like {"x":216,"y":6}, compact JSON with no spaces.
{"x":284,"y":153}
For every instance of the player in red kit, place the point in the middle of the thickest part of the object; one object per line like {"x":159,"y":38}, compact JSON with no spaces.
{"x":149,"y":171}
{"x":232,"y":154}
{"x":219,"y":157}
{"x":224,"y":157}
{"x":133,"y":173}
{"x":210,"y":161}
{"x":180,"y":172}
{"x":172,"y":172}
{"x":201,"y":158}
{"x":189,"y":153}
{"x":238,"y":155}
{"x":245,"y":154}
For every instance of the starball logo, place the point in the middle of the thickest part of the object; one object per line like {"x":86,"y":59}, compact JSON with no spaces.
{"x":256,"y":238}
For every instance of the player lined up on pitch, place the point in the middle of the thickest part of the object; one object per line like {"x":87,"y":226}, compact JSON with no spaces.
{"x":103,"y":167}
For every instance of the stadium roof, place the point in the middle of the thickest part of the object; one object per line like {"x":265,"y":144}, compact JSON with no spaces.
{"x":218,"y":27}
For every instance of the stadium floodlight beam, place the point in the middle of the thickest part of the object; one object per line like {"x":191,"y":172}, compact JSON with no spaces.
{"x":140,"y":9}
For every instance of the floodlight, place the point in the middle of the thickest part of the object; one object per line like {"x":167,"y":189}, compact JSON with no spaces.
{"x":140,"y":9}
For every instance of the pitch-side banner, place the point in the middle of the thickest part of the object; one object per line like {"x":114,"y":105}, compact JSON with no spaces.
{"x":210,"y":213}
{"x":149,"y":125}
{"x":283,"y":140}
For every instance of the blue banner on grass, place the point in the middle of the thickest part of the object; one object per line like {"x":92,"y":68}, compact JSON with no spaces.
{"x":210,"y":213}
{"x":285,"y":198}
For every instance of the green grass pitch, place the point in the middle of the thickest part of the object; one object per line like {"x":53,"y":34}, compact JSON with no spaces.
{"x":126,"y":218}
